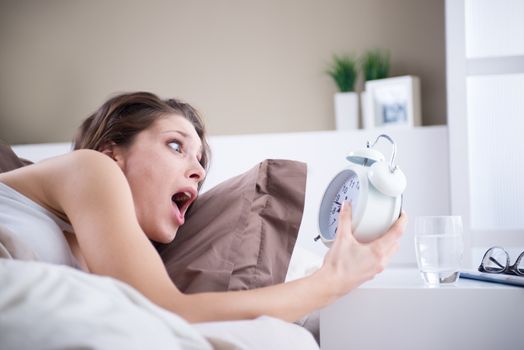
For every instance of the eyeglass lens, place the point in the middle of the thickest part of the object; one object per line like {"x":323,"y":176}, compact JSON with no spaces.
{"x":495,"y":260}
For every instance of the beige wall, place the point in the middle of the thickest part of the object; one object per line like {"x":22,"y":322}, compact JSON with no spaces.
{"x":249,"y":66}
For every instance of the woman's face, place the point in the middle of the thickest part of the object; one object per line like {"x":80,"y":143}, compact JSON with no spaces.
{"x":163,"y":170}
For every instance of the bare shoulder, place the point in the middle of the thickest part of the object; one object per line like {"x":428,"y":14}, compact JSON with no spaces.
{"x":76,"y":162}
{"x":79,"y":172}
{"x":61,"y":179}
{"x":74,"y":170}
{"x":80,"y":161}
{"x":78,"y":165}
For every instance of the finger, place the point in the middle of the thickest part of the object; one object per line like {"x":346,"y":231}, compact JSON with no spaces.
{"x":344,"y":221}
{"x":394,"y":233}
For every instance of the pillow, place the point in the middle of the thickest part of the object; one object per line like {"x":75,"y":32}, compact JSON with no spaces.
{"x":241,"y":233}
{"x":10,"y":247}
{"x":8,"y":159}
{"x":238,"y":235}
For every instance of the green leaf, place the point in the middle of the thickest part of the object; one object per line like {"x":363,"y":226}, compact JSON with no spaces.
{"x":375,"y":64}
{"x":343,"y":70}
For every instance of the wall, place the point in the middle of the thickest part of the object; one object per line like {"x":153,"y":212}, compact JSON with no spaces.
{"x":249,"y":66}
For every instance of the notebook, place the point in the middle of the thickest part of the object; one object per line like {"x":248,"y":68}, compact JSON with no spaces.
{"x":493,"y":277}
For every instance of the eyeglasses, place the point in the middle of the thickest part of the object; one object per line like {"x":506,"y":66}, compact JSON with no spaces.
{"x":496,"y":260}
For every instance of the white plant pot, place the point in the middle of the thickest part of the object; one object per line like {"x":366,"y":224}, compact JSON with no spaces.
{"x":346,"y":110}
{"x":364,"y":109}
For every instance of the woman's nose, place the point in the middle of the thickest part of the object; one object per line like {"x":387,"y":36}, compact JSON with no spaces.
{"x":197,"y":171}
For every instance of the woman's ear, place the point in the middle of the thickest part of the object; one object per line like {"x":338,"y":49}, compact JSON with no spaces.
{"x":108,"y":149}
{"x":113,"y":151}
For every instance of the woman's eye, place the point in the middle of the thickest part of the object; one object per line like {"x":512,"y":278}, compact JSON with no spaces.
{"x":176,"y":146}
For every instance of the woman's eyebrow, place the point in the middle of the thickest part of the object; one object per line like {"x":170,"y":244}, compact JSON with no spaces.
{"x":177,"y":131}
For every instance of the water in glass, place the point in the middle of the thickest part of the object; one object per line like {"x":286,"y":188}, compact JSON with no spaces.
{"x":439,"y":248}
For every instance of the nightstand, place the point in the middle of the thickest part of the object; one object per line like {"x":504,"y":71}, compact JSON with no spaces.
{"x":397,"y":311}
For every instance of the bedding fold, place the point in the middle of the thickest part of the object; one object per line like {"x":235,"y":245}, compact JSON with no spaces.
{"x":49,"y":306}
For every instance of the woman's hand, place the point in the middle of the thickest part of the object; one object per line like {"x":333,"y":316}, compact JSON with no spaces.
{"x":349,"y":263}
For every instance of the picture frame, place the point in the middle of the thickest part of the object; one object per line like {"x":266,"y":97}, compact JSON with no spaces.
{"x":392,"y":103}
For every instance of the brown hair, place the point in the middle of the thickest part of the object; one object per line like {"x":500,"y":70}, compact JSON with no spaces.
{"x":123,"y":116}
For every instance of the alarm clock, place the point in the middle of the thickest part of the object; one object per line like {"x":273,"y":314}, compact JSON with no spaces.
{"x":372,"y":186}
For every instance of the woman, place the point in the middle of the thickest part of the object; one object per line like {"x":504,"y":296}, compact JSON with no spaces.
{"x":137,"y":168}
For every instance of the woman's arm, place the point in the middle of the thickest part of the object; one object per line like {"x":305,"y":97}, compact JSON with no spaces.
{"x":347,"y":265}
{"x":94,"y":194}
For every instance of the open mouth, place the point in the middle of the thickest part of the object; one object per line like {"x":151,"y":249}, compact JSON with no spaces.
{"x":183,"y":200}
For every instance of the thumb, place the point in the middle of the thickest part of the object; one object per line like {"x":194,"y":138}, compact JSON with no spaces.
{"x":344,"y":231}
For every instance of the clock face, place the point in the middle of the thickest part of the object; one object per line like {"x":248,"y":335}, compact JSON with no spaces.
{"x":348,"y":191}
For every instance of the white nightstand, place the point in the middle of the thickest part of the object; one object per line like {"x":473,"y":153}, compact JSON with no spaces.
{"x":396,"y":311}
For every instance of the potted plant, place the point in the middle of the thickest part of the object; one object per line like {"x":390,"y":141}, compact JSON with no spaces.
{"x":375,"y":64}
{"x":343,"y":70}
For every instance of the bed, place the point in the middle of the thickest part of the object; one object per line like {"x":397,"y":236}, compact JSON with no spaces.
{"x":58,"y":307}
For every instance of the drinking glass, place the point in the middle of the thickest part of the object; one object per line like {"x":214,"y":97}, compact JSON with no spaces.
{"x":439,"y":246}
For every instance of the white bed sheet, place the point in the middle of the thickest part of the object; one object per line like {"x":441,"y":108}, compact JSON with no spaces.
{"x":48,"y":306}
